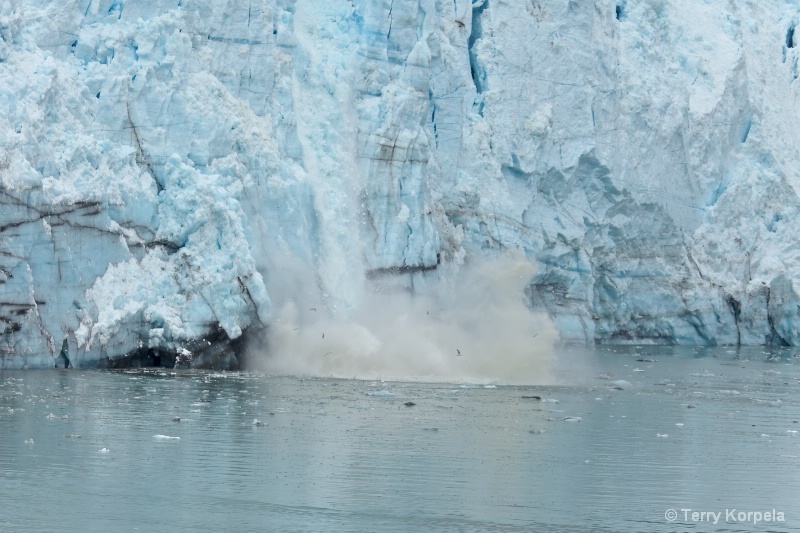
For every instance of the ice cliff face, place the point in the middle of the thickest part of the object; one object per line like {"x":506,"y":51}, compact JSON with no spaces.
{"x":168,"y":167}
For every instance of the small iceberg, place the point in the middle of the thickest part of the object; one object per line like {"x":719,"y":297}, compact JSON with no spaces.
{"x":621,"y":384}
{"x":165,"y":437}
{"x":572,"y":419}
{"x":104,"y":450}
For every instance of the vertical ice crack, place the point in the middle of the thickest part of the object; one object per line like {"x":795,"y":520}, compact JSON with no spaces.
{"x":389,"y":33}
{"x":432,"y":99}
{"x":141,"y":156}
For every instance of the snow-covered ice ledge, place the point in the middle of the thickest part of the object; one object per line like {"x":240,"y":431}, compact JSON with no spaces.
{"x":168,"y":168}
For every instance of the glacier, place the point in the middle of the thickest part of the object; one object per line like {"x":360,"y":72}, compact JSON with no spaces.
{"x":172,"y":171}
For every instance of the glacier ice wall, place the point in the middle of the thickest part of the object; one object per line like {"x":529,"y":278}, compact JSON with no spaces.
{"x":170,"y":168}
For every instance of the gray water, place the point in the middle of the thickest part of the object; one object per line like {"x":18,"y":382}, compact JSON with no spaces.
{"x":349,"y":455}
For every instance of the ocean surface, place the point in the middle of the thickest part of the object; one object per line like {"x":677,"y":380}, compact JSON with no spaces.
{"x":636,"y":439}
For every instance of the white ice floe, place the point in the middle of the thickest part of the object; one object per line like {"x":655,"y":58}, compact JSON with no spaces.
{"x":165,"y":437}
{"x":383,"y":393}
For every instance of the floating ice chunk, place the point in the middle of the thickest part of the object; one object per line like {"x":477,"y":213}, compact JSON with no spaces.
{"x":662,"y":435}
{"x":572,"y":419}
{"x":490,"y":386}
{"x":104,"y":450}
{"x":257,"y":422}
{"x":792,"y":432}
{"x":621,"y":384}
{"x":638,"y":370}
{"x":679,"y":424}
{"x":51,"y":416}
{"x":29,"y":442}
{"x":549,"y":400}
{"x":769,"y":403}
{"x":764,"y":435}
{"x":165,"y":437}
{"x":383,"y":393}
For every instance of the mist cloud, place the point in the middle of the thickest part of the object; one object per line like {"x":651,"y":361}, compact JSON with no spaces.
{"x":476,"y":329}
